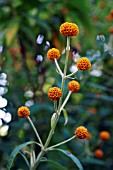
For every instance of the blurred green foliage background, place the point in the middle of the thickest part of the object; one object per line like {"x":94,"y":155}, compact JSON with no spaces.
{"x":27,"y":30}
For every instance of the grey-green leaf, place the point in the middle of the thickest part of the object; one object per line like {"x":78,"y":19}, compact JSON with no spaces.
{"x":24,"y":157}
{"x":65,"y":116}
{"x":15,"y":152}
{"x":53,"y":120}
{"x":55,"y":164}
{"x":93,"y":161}
{"x":72,"y":157}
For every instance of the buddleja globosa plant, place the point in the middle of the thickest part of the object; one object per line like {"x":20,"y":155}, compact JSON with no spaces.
{"x":56,"y":95}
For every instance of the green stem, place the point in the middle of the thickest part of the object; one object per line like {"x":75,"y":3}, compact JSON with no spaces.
{"x":65,"y":70}
{"x":61,"y":143}
{"x":67,"y":98}
{"x":55,"y":105}
{"x":45,"y":146}
{"x":67,"y":55}
{"x":58,"y":67}
{"x":87,"y":148}
{"x":30,"y":121}
{"x":69,"y":75}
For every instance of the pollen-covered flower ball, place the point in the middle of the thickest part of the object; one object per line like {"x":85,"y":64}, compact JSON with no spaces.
{"x":69,"y":29}
{"x":23,"y":112}
{"x":83,"y":64}
{"x":53,"y":53}
{"x":81,"y":132}
{"x":73,"y":86}
{"x":54,"y":93}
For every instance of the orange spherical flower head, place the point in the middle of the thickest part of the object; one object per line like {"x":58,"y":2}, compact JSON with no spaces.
{"x":98,"y":153}
{"x":69,"y":29}
{"x":73,"y":86}
{"x":23,"y":112}
{"x":54,"y":93}
{"x":81,"y":132}
{"x":104,"y":135}
{"x":83,"y":64}
{"x":53,"y":53}
{"x":111,"y":30}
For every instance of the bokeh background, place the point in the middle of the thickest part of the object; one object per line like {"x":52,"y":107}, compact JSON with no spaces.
{"x":27,"y":30}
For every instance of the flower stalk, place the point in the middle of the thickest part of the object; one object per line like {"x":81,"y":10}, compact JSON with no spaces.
{"x":58,"y":67}
{"x":50,"y":148}
{"x":30,"y":121}
{"x":65,"y":101}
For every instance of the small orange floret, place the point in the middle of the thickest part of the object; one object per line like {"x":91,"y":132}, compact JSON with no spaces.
{"x":23,"y":112}
{"x":104,"y":135}
{"x":98,"y":153}
{"x":69,"y":29}
{"x":89,"y":135}
{"x":53,"y":53}
{"x":83,"y":64}
{"x":111,"y":12}
{"x":54,"y":93}
{"x":73,"y":86}
{"x":111,"y":30}
{"x":81,"y":132}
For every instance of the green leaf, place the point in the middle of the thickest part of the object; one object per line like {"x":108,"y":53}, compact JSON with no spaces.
{"x":53,"y":120}
{"x":15,"y":152}
{"x":24,"y":157}
{"x":40,"y":22}
{"x":65,"y":116}
{"x":72,"y":157}
{"x":55,"y":164}
{"x":93,"y":161}
{"x":98,"y":86}
{"x":11,"y":31}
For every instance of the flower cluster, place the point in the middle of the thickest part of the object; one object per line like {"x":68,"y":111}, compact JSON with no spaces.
{"x":53,"y":53}
{"x":98,"y":153}
{"x":69,"y":29}
{"x":83,"y":64}
{"x":54,"y":93}
{"x":81,"y":132}
{"x":23,"y":112}
{"x":104,"y":135}
{"x":73,"y":86}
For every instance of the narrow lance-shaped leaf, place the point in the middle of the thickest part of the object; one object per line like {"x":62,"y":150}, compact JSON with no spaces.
{"x":93,"y":161}
{"x":72,"y":157}
{"x":24,"y":157}
{"x":55,"y":164}
{"x":65,"y":116}
{"x":15,"y":152}
{"x":53,"y":120}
